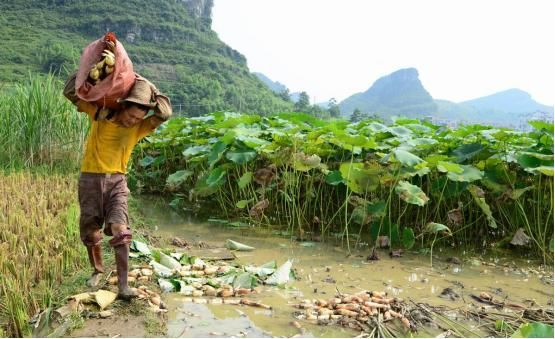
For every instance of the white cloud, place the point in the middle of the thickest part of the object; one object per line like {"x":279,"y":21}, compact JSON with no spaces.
{"x":463,"y":49}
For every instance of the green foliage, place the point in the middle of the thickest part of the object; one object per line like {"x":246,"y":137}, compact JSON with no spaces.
{"x":370,"y":178}
{"x":178,"y":52}
{"x":39,"y":127}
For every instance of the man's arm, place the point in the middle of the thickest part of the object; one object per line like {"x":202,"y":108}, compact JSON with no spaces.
{"x":149,"y":125}
{"x":82,"y":106}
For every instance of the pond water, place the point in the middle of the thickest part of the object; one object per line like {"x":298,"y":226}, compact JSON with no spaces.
{"x":324,"y":268}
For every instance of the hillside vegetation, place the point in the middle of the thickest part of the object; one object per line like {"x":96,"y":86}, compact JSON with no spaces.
{"x":170,"y":43}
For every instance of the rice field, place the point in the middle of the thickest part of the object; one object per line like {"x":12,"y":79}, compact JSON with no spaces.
{"x":39,"y":243}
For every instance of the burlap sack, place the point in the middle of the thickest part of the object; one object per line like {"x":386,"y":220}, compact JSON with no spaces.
{"x":115,"y":86}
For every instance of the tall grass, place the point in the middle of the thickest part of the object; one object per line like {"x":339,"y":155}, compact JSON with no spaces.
{"x":39,"y":243}
{"x":39,"y":126}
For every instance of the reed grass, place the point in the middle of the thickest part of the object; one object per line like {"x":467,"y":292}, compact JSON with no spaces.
{"x":39,"y":244}
{"x":39,"y":126}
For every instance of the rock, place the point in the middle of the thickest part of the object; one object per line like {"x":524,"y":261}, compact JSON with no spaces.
{"x":520,"y":238}
{"x":105,"y":314}
{"x":449,"y":293}
{"x":396,"y":253}
{"x":454,"y":260}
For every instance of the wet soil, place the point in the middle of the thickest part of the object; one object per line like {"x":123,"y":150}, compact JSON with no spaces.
{"x":322,"y":270}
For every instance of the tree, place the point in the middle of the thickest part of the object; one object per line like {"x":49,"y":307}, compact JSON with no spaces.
{"x":356,"y":116}
{"x":303,"y":105}
{"x":333,"y":108}
{"x":285,"y":95}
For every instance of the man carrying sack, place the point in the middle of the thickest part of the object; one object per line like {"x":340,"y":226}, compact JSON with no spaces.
{"x":103,"y":188}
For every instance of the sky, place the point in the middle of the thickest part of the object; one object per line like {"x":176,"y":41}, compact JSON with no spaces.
{"x":462,"y":49}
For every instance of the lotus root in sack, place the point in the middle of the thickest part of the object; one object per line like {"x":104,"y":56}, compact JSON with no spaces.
{"x":116,"y":85}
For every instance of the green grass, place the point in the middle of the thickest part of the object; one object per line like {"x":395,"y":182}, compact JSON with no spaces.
{"x":39,"y":127}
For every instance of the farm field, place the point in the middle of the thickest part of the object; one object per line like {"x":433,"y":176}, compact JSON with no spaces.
{"x":452,"y":225}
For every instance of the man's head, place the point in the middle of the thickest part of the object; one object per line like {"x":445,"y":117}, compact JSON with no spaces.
{"x":130,"y":115}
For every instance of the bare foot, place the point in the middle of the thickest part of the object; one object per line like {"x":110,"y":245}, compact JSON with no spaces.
{"x":127,"y":294}
{"x":94,"y":280}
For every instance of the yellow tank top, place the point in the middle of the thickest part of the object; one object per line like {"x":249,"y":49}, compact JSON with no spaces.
{"x":109,"y":145}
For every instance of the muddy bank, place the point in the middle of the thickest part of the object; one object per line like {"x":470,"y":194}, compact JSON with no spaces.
{"x":323,"y":270}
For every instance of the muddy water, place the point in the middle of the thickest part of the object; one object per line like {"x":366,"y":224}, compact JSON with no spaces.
{"x":324,"y":269}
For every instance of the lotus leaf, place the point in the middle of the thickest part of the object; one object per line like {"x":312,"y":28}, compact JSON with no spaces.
{"x":547,"y":170}
{"x":334,"y":178}
{"x":401,"y":131}
{"x":478,"y":195}
{"x":536,"y":329}
{"x":196,"y":150}
{"x":408,"y":238}
{"x":411,"y":193}
{"x":234,"y":245}
{"x":169,"y":262}
{"x":281,"y":275}
{"x":140,"y":247}
{"x":304,"y":163}
{"x":176,"y":179}
{"x":469,"y":174}
{"x":542,"y":126}
{"x":435,"y":228}
{"x":243,"y":203}
{"x":241,"y":156}
{"x":377,"y":209}
{"x":406,"y":158}
{"x":216,"y":152}
{"x":358,"y":178}
{"x":445,"y":166}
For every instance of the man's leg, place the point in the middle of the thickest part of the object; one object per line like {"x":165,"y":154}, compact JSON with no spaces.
{"x":120,"y":242}
{"x":92,"y":242}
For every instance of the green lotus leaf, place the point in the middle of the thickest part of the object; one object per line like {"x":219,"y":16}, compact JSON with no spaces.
{"x":377,"y":127}
{"x":542,"y":125}
{"x":243,"y":203}
{"x":304,"y":163}
{"x":253,"y":142}
{"x":245,"y":180}
{"x":334,"y":178}
{"x":547,"y":170}
{"x":445,"y":166}
{"x":216,"y":177}
{"x":435,"y":228}
{"x":400,"y":131}
{"x":376,"y":209}
{"x":535,"y":329}
{"x":408,"y":238}
{"x":411,"y":194}
{"x":359,"y":179}
{"x":241,"y":156}
{"x":541,"y":156}
{"x":469,"y":174}
{"x":517,"y":193}
{"x":480,"y":200}
{"x":146,"y":161}
{"x":216,"y":152}
{"x":468,"y":151}
{"x":195,"y":150}
{"x":406,"y":158}
{"x":174,"y":180}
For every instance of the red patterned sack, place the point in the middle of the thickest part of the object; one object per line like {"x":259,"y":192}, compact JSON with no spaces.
{"x":115,"y":86}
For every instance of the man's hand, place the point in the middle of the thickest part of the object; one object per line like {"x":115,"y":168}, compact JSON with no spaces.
{"x":163,"y":108}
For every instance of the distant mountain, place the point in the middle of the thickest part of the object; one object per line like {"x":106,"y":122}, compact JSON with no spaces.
{"x":275,"y":86}
{"x":511,"y":101}
{"x":399,"y":93}
{"x":510,"y":107}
